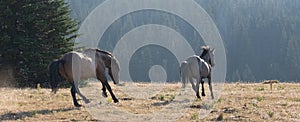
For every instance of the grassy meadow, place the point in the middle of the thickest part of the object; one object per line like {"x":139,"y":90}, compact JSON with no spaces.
{"x":238,"y":102}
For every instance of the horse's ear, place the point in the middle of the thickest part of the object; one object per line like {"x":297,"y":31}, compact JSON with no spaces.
{"x":204,"y":47}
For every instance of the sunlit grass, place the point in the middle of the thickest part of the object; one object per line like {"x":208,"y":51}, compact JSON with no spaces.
{"x":260,"y":89}
{"x":296,"y":99}
{"x":249,"y":104}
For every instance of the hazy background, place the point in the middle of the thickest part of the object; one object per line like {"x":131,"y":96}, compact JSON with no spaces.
{"x":261,"y":37}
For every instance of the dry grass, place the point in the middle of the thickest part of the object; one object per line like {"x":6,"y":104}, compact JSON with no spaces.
{"x":239,"y":102}
{"x":256,"y":102}
{"x":34,"y":105}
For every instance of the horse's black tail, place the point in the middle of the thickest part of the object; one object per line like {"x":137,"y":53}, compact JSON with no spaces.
{"x":54,"y":74}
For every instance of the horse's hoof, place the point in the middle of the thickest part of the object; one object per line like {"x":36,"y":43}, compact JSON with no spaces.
{"x":203,"y":94}
{"x":77,"y":105}
{"x":116,"y":101}
{"x":198,"y":97}
{"x":104,"y":94}
{"x":87,"y":101}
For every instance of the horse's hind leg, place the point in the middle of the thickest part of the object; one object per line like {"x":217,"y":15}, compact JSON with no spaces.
{"x":197,"y":88}
{"x":210,"y":87}
{"x":80,"y":94}
{"x":73,"y":93}
{"x":104,"y":94}
{"x":202,"y":83}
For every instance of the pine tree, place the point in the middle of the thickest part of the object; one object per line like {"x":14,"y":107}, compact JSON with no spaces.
{"x":33,"y":33}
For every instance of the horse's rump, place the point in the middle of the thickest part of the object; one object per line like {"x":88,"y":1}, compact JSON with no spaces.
{"x":78,"y":66}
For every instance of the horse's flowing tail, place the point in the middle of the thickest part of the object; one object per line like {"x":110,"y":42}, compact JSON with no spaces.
{"x":183,"y":71}
{"x":114,"y":70}
{"x":54,"y":74}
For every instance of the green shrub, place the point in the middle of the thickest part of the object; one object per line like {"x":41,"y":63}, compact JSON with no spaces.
{"x":260,"y":89}
{"x":259,"y":99}
{"x":270,"y":113}
{"x":194,"y":116}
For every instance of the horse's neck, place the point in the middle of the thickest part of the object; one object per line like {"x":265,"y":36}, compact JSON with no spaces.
{"x":204,"y":53}
{"x":106,"y":59}
{"x":104,"y":52}
{"x":206,"y":58}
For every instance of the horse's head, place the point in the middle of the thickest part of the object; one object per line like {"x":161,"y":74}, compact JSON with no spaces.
{"x":114,"y":70}
{"x":208,"y":55}
{"x":212,"y":55}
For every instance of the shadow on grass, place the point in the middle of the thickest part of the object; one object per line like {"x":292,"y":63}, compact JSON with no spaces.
{"x":162,"y":103}
{"x":24,"y":114}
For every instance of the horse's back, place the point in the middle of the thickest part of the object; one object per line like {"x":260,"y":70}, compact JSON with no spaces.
{"x":202,"y":67}
{"x":198,"y":66}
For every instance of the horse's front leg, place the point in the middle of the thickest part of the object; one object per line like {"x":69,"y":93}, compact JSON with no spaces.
{"x":73,"y":93}
{"x":104,"y":94}
{"x":202,"y":83}
{"x":105,"y":82}
{"x":197,"y":87}
{"x":210,"y":87}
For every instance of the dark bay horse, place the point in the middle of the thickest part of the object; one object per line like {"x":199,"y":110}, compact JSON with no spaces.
{"x":195,"y":67}
{"x":91,"y":63}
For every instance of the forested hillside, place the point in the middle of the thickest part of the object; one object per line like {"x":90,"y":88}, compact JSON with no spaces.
{"x":261,"y":38}
{"x":33,"y":34}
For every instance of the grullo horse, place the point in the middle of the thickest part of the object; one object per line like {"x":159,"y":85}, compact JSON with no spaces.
{"x":77,"y":66}
{"x":195,"y":67}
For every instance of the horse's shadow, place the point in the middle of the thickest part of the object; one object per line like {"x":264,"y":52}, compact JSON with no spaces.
{"x":162,"y":103}
{"x":24,"y":114}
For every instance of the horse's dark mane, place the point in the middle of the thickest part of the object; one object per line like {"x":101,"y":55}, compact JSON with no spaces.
{"x":105,"y":52}
{"x":203,"y":53}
